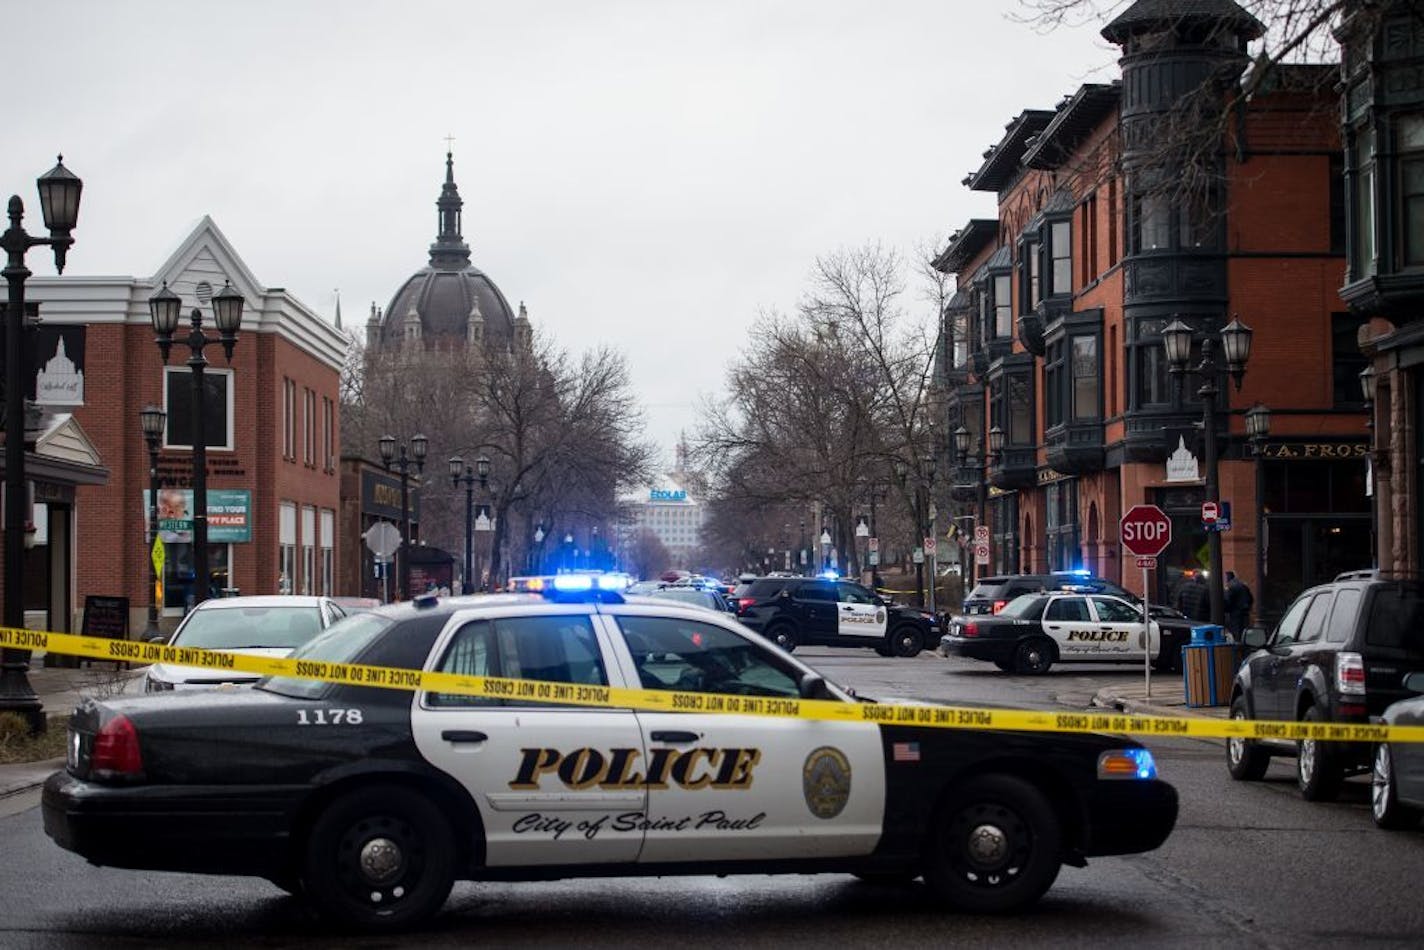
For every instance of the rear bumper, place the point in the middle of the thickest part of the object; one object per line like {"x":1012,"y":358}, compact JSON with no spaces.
{"x":171,"y":828}
{"x":1128,"y":817}
{"x":974,"y":648}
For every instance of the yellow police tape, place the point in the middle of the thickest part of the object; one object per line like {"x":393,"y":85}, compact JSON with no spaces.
{"x":577,"y":694}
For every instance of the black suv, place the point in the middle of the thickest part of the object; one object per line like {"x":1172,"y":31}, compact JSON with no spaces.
{"x":795,"y":610}
{"x":1339,"y":654}
{"x":991,"y":594}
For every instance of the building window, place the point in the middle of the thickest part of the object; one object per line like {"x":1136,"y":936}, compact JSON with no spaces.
{"x":1112,"y":222}
{"x":1152,"y":223}
{"x":1004,"y":518}
{"x":1060,"y":254}
{"x":1029,"y":267}
{"x":1053,"y":384}
{"x":1086,"y":386}
{"x":179,"y":579}
{"x":289,"y":419}
{"x":1087,"y":269}
{"x":1003,"y":306}
{"x":217,"y":407}
{"x":1150,"y":382}
{"x":328,"y":552}
{"x":328,"y":434}
{"x":1013,"y":405}
{"x":1346,"y":360}
{"x":286,"y":548}
{"x":1061,"y":503}
{"x":1337,"y":204}
{"x":308,"y":549}
{"x":1409,"y":140}
{"x":1363,"y":256}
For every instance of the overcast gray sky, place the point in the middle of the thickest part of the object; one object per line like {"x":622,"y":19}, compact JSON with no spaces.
{"x":645,"y":174}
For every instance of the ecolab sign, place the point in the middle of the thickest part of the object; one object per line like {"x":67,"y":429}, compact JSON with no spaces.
{"x":663,"y":494}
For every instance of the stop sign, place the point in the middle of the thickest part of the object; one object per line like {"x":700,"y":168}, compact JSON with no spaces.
{"x":1146,"y":530}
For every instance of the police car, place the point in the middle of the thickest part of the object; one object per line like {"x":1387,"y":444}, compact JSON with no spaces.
{"x":370,"y":802}
{"x":1034,"y":631}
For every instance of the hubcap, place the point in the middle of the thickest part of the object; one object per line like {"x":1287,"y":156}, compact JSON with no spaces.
{"x":1236,"y":748}
{"x":988,"y":844}
{"x":1307,"y":759}
{"x":381,"y":859}
{"x":1379,"y":784}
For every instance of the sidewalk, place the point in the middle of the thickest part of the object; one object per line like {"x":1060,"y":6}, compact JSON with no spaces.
{"x":60,"y":689}
{"x":1168,"y":699}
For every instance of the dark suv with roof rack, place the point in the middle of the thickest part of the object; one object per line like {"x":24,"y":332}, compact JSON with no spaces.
{"x":992,"y":593}
{"x":1339,"y":654}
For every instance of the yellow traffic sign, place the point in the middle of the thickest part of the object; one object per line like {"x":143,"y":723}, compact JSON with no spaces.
{"x":159,"y":555}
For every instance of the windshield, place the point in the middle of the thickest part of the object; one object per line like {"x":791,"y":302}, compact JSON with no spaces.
{"x":988,"y":590}
{"x":697,"y":597}
{"x":1397,"y":621}
{"x":342,"y":642}
{"x":1023,"y":606}
{"x":236,"y":628}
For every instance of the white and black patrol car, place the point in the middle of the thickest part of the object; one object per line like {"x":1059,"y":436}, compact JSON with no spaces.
{"x":370,"y":802}
{"x":828,"y":611}
{"x":1034,"y":631}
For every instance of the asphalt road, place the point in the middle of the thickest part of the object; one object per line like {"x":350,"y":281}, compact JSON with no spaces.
{"x":1250,"y":865}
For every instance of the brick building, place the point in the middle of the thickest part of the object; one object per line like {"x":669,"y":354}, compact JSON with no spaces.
{"x":1104,"y":236}
{"x":272,"y":434}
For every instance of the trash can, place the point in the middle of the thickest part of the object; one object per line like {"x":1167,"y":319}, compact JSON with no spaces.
{"x":1208,"y":667}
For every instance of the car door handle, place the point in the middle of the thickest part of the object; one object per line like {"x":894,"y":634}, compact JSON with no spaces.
{"x":1050,"y":626}
{"x":674,"y":735}
{"x":463,"y":735}
{"x":848,"y":607}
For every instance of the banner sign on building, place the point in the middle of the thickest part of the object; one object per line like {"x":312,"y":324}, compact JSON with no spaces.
{"x":57,"y":361}
{"x":229,"y":515}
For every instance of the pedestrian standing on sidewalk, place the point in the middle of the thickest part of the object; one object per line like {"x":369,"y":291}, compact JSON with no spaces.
{"x":1238,"y":605}
{"x":1193,"y":599}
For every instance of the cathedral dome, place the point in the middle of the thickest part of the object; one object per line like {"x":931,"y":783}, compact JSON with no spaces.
{"x":449,"y":299}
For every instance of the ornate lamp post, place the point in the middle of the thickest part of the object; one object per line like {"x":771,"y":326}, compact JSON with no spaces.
{"x":804,"y":558}
{"x":536,"y":561}
{"x":928,"y":466}
{"x":59,"y":202}
{"x":403,"y":462}
{"x":1367,"y":389}
{"x":152,"y":419}
{"x":165,"y":309}
{"x":462,"y":474}
{"x":1235,"y":344}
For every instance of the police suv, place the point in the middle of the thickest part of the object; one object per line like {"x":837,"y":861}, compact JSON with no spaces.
{"x":792,"y":610}
{"x":370,"y":801}
{"x":1034,"y":631}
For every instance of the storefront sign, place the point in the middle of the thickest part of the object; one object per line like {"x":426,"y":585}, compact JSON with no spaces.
{"x":663,"y":494}
{"x":1047,"y":476}
{"x":381,"y":495}
{"x":229,"y":510}
{"x":1315,"y":451}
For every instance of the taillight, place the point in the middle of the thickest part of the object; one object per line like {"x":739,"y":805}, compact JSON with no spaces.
{"x":1349,"y":674}
{"x":116,"y":753}
{"x":744,"y":602}
{"x":970,"y":629}
{"x":1000,"y":605}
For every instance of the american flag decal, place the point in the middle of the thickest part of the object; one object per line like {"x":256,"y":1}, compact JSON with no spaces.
{"x":906,"y":752}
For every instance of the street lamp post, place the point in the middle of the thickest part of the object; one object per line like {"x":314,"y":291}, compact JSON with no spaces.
{"x":165,"y":309}
{"x":403,"y":462}
{"x":59,"y":202}
{"x":804,"y":558}
{"x":537,"y":557}
{"x":1367,"y":388}
{"x":462,"y":474}
{"x":1258,"y":429}
{"x":961,"y":457}
{"x":928,"y":463}
{"x":152,"y":419}
{"x":1235,"y":340}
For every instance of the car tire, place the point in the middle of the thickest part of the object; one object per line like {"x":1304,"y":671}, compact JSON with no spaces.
{"x":1385,"y":807}
{"x":1245,"y":759}
{"x":906,"y":640}
{"x":1004,"y":665}
{"x":783,"y":635}
{"x":883,"y":649}
{"x":995,"y":846}
{"x":1317,"y":770}
{"x":1034,"y":656}
{"x":348,"y":873}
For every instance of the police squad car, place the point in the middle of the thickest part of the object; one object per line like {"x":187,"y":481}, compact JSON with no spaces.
{"x":829,"y":611}
{"x":1034,"y":631}
{"x":370,"y":802}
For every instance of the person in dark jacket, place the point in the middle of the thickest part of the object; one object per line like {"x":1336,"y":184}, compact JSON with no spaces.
{"x":1238,"y":604}
{"x":1193,"y":598}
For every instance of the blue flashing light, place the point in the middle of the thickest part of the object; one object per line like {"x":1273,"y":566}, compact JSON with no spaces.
{"x":830,"y":575}
{"x":573,"y":582}
{"x":1127,"y":764}
{"x":1146,"y":765}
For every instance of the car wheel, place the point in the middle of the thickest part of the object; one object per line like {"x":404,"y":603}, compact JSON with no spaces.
{"x":883,"y":649}
{"x":1317,"y":772}
{"x":379,"y":858}
{"x":995,"y":846}
{"x":906,"y":640}
{"x":1384,"y":794}
{"x":1033,"y":656}
{"x":783,"y":635}
{"x":1245,"y":760}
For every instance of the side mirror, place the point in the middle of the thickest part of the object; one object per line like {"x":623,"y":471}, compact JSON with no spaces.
{"x":813,"y":686}
{"x":784,"y":592}
{"x":1254,"y":637}
{"x":1414,"y":682}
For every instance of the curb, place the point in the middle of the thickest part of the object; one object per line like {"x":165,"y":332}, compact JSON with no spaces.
{"x":24,"y":776}
{"x":1107,"y":699}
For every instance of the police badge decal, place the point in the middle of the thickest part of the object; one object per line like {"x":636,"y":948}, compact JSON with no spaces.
{"x":825,"y":781}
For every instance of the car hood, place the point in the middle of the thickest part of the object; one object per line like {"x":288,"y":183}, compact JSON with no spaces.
{"x":201,"y":676}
